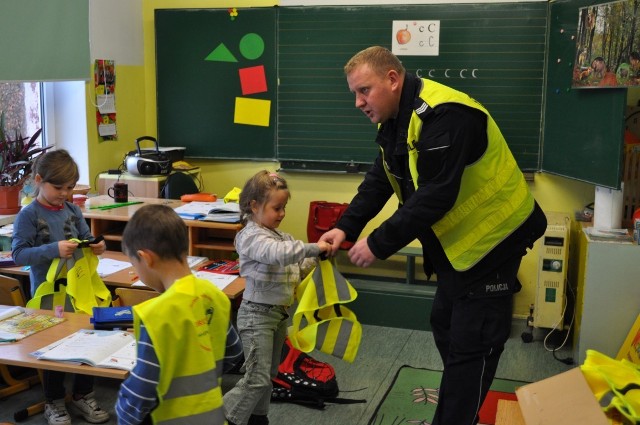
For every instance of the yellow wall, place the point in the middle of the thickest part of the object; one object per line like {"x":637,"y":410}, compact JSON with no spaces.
{"x":136,"y":105}
{"x":130,"y":104}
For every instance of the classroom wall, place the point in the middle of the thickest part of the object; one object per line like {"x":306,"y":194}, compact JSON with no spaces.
{"x":115,"y":28}
{"x":136,"y":105}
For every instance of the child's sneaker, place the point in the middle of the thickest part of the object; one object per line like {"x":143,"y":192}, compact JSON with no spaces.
{"x":89,"y":409}
{"x":56,"y":413}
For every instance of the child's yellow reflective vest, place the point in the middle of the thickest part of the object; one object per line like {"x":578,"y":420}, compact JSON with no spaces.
{"x":73,"y":283}
{"x":321,"y":320}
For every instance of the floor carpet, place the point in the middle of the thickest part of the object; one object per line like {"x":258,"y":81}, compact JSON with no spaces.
{"x":413,"y":395}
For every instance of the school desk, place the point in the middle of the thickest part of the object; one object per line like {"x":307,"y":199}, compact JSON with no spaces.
{"x":17,"y":353}
{"x":125,"y":277}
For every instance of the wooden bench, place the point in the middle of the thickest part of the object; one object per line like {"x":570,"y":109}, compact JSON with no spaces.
{"x":411,"y":252}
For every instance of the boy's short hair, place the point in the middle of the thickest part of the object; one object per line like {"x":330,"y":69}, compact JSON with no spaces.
{"x":159,"y":229}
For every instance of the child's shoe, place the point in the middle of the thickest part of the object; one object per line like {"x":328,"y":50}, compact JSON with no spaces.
{"x":89,"y":409}
{"x":56,"y":413}
{"x":258,"y":420}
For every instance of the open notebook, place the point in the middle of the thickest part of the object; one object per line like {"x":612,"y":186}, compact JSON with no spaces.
{"x":111,"y":349}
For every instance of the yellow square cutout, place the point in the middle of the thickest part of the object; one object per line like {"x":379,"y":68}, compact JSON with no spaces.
{"x":252,"y":111}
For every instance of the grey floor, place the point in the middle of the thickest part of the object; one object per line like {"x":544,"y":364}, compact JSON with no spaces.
{"x":382,"y":351}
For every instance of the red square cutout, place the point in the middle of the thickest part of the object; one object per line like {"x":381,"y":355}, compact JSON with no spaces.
{"x":253,"y":80}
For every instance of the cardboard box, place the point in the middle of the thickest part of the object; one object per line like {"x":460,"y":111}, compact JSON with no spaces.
{"x":561,"y":399}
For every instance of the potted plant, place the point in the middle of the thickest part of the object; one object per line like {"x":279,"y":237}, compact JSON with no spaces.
{"x":17,"y":154}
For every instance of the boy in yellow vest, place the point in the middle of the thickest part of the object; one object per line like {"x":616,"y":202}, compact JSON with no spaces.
{"x":182,"y":334}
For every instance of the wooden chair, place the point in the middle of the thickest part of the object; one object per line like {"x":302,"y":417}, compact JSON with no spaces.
{"x":130,"y":296}
{"x":11,"y":294}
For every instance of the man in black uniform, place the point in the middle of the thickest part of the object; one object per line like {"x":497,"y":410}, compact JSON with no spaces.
{"x":463,"y":197}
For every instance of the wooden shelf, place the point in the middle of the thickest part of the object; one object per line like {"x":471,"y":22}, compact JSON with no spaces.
{"x":203,"y":235}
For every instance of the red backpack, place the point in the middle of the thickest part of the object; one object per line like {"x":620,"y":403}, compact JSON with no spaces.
{"x":304,"y":380}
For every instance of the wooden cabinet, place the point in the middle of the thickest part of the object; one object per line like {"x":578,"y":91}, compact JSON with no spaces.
{"x":608,"y":295}
{"x":206,"y":238}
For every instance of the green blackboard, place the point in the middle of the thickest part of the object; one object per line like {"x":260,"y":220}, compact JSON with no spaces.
{"x":317,"y":120}
{"x":206,"y":62}
{"x":314,"y":124}
{"x":583,"y":128}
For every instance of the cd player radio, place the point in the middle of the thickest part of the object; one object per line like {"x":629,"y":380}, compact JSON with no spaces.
{"x":147,"y":163}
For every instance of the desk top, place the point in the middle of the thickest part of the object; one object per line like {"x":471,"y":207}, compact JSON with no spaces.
{"x":17,"y":353}
{"x":124,"y":213}
{"x":124,"y":278}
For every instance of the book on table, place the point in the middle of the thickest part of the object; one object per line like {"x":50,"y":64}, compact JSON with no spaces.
{"x":99,"y":348}
{"x":6,"y":259}
{"x":220,"y":211}
{"x":16,"y":323}
{"x":224,"y":213}
{"x":223,"y":266}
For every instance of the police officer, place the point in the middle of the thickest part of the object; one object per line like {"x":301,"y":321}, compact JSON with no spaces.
{"x":462,"y":195}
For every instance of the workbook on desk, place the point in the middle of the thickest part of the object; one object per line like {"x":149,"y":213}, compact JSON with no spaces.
{"x":220,"y":211}
{"x":100,"y":348}
{"x":16,"y":324}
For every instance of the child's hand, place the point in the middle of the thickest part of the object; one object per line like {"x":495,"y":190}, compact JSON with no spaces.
{"x":98,"y":248}
{"x":66,"y":248}
{"x":325,"y":247}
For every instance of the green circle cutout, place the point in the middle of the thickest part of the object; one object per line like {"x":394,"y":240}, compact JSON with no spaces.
{"x":252,"y":46}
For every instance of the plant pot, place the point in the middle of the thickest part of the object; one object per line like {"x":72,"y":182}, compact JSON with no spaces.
{"x":10,"y":199}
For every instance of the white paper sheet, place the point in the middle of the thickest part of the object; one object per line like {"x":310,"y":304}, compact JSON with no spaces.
{"x":220,"y":280}
{"x":107,"y":266}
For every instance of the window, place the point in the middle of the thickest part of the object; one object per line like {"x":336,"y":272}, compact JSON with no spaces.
{"x":21,"y":104}
{"x":56,"y":107}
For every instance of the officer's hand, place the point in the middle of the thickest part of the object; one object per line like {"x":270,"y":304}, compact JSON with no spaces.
{"x":361,"y":255}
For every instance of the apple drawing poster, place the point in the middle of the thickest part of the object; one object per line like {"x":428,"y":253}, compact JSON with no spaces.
{"x":415,"y":38}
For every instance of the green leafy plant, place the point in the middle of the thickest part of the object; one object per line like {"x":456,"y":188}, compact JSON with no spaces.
{"x":17,"y":154}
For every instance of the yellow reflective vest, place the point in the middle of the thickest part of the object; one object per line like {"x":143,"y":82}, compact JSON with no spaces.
{"x":321,"y":320}
{"x":188,"y":326}
{"x":615,"y":383}
{"x":494,"y":198}
{"x":73,"y":283}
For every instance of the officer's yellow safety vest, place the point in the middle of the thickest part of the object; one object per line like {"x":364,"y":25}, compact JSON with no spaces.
{"x":494,"y":198}
{"x":615,"y":383}
{"x":188,"y":326}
